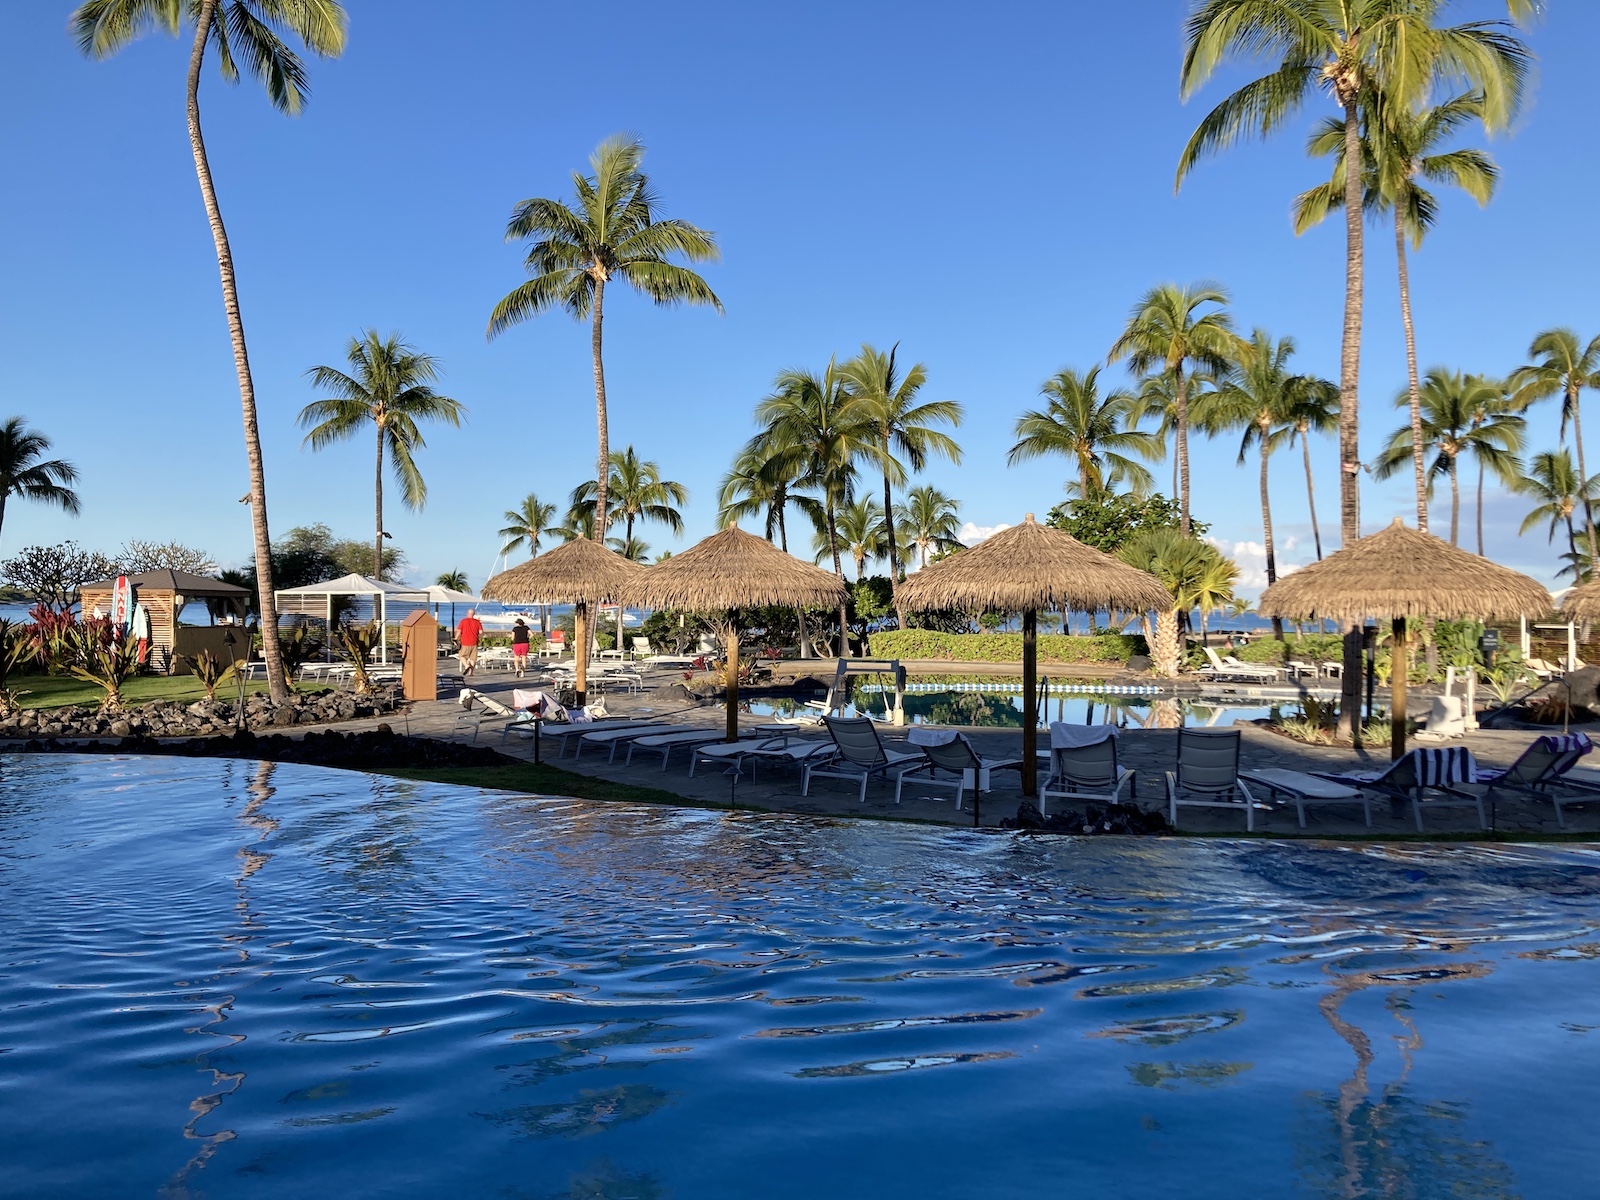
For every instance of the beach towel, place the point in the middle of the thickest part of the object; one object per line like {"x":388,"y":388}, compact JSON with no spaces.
{"x":1070,"y":737}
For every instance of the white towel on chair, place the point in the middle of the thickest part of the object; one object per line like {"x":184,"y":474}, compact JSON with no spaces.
{"x":1069,"y":737}
{"x":921,"y":735}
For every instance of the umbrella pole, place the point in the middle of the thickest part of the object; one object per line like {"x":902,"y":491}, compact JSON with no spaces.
{"x":580,"y":636}
{"x":731,"y":636}
{"x":1030,"y":703}
{"x":1400,"y":667}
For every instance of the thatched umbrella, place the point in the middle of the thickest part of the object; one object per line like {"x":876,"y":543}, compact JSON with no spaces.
{"x":1582,"y":603}
{"x":1400,"y":573}
{"x":1024,"y":569}
{"x":582,"y":573}
{"x":733,"y":570}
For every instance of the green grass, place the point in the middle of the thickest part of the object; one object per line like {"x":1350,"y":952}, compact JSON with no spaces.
{"x":60,"y":691}
{"x":543,"y":780}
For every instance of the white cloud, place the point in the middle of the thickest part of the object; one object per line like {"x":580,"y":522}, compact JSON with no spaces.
{"x":1251,"y":558}
{"x":971,"y":534}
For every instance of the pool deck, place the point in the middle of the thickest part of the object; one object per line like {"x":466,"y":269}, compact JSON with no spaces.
{"x":1150,"y":752}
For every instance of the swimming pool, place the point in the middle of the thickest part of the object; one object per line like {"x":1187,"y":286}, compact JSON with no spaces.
{"x":239,"y":979}
{"x":999,"y":706}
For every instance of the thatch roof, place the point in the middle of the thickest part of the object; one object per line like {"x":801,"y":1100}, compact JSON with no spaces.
{"x":580,"y":572}
{"x":1400,"y":572}
{"x":1582,"y":603}
{"x":1030,"y":567}
{"x":735,"y":569}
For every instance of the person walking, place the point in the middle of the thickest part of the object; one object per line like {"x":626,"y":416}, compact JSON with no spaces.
{"x":519,"y":647}
{"x":468,"y":633}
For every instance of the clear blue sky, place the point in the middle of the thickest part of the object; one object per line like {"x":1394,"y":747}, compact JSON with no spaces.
{"x":991,"y":187}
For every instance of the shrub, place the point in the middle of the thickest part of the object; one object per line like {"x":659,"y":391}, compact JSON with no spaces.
{"x":1310,"y":647}
{"x":1003,"y":647}
{"x":98,"y":656}
{"x":209,"y":670}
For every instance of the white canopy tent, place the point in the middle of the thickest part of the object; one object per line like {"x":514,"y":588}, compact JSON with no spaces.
{"x":318,"y":599}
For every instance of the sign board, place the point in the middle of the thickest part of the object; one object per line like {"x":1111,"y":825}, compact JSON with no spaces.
{"x":1490,"y":639}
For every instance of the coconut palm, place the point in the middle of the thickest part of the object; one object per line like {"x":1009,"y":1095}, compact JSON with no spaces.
{"x":247,"y":31}
{"x":1358,"y":52}
{"x":1096,"y":433}
{"x":389,"y":387}
{"x":1157,"y":396}
{"x":636,"y":492}
{"x":26,"y":474}
{"x":1461,"y":414}
{"x":1314,"y":408}
{"x":1563,"y":366}
{"x":456,"y":581}
{"x":614,"y":232}
{"x":929,"y":521}
{"x":1554,"y":482}
{"x":861,"y":532}
{"x":898,"y":424}
{"x":1168,"y":334}
{"x":1185,"y":566}
{"x":632,"y":549}
{"x":1399,"y":151}
{"x":527,"y":525}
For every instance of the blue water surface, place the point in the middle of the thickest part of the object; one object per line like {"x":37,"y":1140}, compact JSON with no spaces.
{"x":239,"y":979}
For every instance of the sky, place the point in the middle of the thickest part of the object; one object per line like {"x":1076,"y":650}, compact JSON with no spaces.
{"x":990,"y":189}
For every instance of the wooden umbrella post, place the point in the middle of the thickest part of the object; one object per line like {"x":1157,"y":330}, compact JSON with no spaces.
{"x":1030,"y":703}
{"x":730,"y":638}
{"x":1400,"y":667}
{"x":580,"y":650}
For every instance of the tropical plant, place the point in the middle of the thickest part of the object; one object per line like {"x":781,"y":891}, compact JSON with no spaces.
{"x":861,"y":532}
{"x":238,"y":30}
{"x":1461,"y":414}
{"x":1551,"y":479}
{"x":897,"y":424}
{"x":1187,"y":568}
{"x":389,"y":387}
{"x":930,"y":521}
{"x":636,"y":492}
{"x":613,"y":232}
{"x":1507,"y":674}
{"x":1168,"y":335}
{"x":1110,"y":522}
{"x":456,"y":581}
{"x":527,"y":525}
{"x":358,"y":641}
{"x":299,"y":644}
{"x":1312,"y":410}
{"x":28,"y":475}
{"x":1563,"y":367}
{"x":1359,"y":52}
{"x":16,"y":648}
{"x":209,"y":670}
{"x":1401,"y":146}
{"x":96,"y":655}
{"x":632,"y":549}
{"x":1095,"y":433}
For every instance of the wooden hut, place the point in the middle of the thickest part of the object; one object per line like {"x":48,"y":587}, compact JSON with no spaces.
{"x":163,"y":594}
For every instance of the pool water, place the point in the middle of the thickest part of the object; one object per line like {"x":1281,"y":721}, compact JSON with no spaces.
{"x":239,"y":979}
{"x":1002,"y":709}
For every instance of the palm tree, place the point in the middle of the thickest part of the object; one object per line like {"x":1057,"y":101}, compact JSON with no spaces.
{"x":1167,"y":334}
{"x":895,"y":422}
{"x":527,"y":525}
{"x":244,"y":30}
{"x":26,"y":474}
{"x":930,"y":522}
{"x":1314,"y":408}
{"x":1398,"y":151}
{"x":1360,"y":52}
{"x":1452,"y":404}
{"x":1563,"y":366}
{"x":636,"y":492}
{"x":1094,"y":432}
{"x":613,"y":233}
{"x":389,"y":387}
{"x":633,"y":549}
{"x":760,"y":486}
{"x":862,"y":532}
{"x":1185,"y":566}
{"x":456,"y":581}
{"x":1552,"y":480}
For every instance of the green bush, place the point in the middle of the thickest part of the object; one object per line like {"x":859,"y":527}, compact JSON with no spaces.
{"x":1003,"y":647}
{"x":1311,"y":648}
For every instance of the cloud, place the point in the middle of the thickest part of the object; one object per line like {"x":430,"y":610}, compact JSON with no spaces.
{"x":1251,"y":559}
{"x":971,"y":534}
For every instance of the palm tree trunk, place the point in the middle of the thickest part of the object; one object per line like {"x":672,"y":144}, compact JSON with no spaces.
{"x":1266,"y":537}
{"x":894,"y":550}
{"x":838,"y":570}
{"x":1414,"y":387}
{"x":1349,"y":413}
{"x":377,"y":529}
{"x":1480,"y":508}
{"x":1455,"y":502}
{"x":277,"y":682}
{"x":1572,"y":548}
{"x":1583,"y":483}
{"x":1311,"y":491}
{"x":800,"y":610}
{"x":603,"y":470}
{"x":1180,"y":437}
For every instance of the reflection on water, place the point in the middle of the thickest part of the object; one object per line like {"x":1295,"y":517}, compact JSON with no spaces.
{"x":1002,"y":709}
{"x":241,"y":979}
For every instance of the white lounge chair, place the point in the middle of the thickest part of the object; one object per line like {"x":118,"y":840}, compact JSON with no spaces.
{"x":774,"y":748}
{"x":611,"y":739}
{"x":1207,"y":775}
{"x":1218,"y":668}
{"x":859,"y":754}
{"x":1429,"y":777}
{"x":1303,"y":789}
{"x":668,"y":742}
{"x":949,"y":752}
{"x":1084,"y":766}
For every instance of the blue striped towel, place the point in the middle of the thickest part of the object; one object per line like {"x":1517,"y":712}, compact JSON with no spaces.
{"x":1435,"y":766}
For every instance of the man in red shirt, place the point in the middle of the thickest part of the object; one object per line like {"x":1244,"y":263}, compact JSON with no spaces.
{"x":469,"y":631}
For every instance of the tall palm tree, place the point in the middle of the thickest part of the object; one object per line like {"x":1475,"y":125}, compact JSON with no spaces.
{"x":613,"y":232}
{"x":1094,"y":432}
{"x":1560,"y":491}
{"x":246,"y":30}
{"x":1398,"y":151}
{"x":1451,"y":407}
{"x":1314,"y":408}
{"x":26,"y":474}
{"x":761,"y":485}
{"x":636,"y":492}
{"x":389,"y":387}
{"x":898,"y":424}
{"x":1168,"y":334}
{"x":1494,"y":404}
{"x":1357,"y":51}
{"x":930,"y":521}
{"x":527,"y":525}
{"x":1563,"y":366}
{"x":862,"y":533}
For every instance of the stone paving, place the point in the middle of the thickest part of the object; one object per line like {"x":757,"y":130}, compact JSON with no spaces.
{"x":1150,"y":752}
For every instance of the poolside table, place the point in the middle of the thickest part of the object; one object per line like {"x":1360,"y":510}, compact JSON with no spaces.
{"x":1305,"y":789}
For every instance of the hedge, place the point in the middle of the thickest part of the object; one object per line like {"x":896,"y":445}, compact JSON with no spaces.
{"x":1003,"y":647}
{"x":1310,"y":647}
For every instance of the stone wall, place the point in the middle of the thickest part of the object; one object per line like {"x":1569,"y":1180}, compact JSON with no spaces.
{"x":166,"y":719}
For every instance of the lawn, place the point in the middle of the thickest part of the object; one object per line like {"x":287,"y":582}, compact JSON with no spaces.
{"x":58,"y":691}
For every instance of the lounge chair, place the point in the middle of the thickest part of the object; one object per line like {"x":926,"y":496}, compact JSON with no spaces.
{"x":859,"y":754}
{"x":1303,"y":789}
{"x":774,"y":748}
{"x":1543,"y":769}
{"x":1428,"y":777}
{"x":1217,"y":668}
{"x":571,"y":732}
{"x":478,"y":708}
{"x":1208,"y":775}
{"x":668,"y":742}
{"x":951,"y":753}
{"x":1083,"y":766}
{"x":611,"y":739}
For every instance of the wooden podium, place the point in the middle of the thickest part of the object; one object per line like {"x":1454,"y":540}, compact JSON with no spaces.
{"x":419,"y":665}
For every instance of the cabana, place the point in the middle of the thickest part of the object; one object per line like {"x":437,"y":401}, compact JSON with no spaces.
{"x":321,"y":600}
{"x":163,"y":594}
